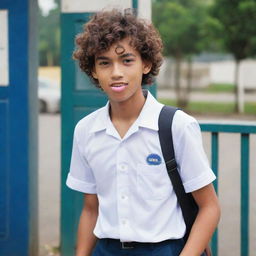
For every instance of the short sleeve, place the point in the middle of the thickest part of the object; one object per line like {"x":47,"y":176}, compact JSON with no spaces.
{"x":80,"y":176}
{"x":192,"y":161}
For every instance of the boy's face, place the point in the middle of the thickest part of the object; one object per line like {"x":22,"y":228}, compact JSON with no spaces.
{"x":119,"y":71}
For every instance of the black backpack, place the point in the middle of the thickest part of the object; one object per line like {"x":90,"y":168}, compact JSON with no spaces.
{"x":186,"y":201}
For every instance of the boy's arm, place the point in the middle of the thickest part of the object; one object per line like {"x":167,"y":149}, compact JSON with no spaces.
{"x":205,"y":223}
{"x":86,"y":240}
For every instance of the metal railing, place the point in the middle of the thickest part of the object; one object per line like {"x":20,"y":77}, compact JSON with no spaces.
{"x":244,"y":129}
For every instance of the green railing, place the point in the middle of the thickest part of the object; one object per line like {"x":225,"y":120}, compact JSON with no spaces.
{"x":244,"y":129}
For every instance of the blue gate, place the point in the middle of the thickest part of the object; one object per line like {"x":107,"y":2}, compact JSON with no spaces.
{"x":18,"y":128}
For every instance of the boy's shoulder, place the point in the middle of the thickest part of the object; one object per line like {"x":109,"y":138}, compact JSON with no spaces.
{"x":86,"y":124}
{"x":182,"y":119}
{"x":183,"y":122}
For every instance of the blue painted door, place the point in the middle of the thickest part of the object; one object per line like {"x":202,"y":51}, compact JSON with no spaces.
{"x":79,"y":98}
{"x":18,"y":116}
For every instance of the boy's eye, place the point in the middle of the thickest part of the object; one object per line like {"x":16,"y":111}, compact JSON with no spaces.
{"x":127,"y":61}
{"x":103,"y":63}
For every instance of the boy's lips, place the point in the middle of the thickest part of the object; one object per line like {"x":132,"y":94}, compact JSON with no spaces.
{"x":118,"y":87}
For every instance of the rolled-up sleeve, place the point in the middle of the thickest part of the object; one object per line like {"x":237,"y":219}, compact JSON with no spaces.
{"x":80,"y":175}
{"x":192,"y":161}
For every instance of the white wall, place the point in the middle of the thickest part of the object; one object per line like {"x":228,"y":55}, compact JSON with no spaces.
{"x":201,"y":74}
{"x":224,"y":72}
{"x":206,"y":73}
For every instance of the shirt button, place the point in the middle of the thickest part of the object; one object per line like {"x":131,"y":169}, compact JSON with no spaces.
{"x":123,"y":167}
{"x":124,"y":222}
{"x":123,"y":196}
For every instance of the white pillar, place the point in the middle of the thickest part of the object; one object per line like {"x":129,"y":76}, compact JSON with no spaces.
{"x":144,"y":9}
{"x":240,"y":89}
{"x":4,"y":63}
{"x":78,"y":6}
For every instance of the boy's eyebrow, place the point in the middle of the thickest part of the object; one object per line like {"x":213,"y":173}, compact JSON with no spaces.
{"x":125,"y":55}
{"x":102,"y":58}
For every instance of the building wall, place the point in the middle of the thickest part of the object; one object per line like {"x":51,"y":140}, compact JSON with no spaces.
{"x":209,"y":73}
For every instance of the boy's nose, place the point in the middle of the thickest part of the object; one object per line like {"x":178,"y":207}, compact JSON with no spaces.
{"x":116,"y":72}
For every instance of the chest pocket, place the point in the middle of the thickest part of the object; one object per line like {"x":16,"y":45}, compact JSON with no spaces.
{"x":153,"y":182}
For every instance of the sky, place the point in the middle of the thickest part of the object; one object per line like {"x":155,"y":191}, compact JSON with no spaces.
{"x":46,"y":5}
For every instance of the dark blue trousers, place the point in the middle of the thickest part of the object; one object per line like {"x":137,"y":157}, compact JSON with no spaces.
{"x":108,"y":247}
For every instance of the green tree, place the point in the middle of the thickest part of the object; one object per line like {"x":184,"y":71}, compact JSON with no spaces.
{"x":181,"y":24}
{"x":49,"y":37}
{"x":236,"y":19}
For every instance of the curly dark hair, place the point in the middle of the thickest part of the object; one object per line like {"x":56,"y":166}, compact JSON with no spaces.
{"x":108,"y":27}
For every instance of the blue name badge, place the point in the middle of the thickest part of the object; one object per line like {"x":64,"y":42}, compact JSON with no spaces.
{"x":154,"y":159}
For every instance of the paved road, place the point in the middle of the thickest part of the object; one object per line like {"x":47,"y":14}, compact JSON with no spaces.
{"x":49,"y":181}
{"x":229,"y":185}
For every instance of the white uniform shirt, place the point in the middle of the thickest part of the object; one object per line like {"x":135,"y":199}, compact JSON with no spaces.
{"x":136,"y":199}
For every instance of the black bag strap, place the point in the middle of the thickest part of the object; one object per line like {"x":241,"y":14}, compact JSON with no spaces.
{"x":186,"y":201}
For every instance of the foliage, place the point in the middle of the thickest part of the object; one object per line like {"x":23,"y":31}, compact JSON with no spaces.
{"x":49,"y":37}
{"x":212,"y":35}
{"x":181,"y":24}
{"x":190,"y":26}
{"x":236,"y":18}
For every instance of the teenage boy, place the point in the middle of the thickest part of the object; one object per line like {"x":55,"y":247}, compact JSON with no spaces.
{"x":130,"y":207}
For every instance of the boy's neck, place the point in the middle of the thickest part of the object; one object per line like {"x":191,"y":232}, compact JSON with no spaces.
{"x":127,"y":111}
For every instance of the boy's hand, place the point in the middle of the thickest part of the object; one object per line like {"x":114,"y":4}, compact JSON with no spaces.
{"x":208,"y":251}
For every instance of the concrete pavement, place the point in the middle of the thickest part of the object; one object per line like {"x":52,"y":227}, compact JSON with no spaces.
{"x":49,"y":182}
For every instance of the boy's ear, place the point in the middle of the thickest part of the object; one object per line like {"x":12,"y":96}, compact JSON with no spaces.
{"x":147,"y":67}
{"x":94,"y":75}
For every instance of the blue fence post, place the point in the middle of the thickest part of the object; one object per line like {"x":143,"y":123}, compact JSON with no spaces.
{"x":244,"y":194}
{"x":215,"y":164}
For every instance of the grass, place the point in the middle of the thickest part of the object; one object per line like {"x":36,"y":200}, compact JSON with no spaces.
{"x":217,"y":88}
{"x":213,"y":108}
{"x":250,"y":108}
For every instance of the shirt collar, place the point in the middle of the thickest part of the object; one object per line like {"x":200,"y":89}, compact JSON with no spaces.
{"x":101,"y":119}
{"x":148,"y":117}
{"x":149,"y":114}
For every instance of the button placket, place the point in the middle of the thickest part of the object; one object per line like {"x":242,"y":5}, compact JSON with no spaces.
{"x":123,"y":202}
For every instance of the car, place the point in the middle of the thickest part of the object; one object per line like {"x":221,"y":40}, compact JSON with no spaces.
{"x":49,"y":96}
